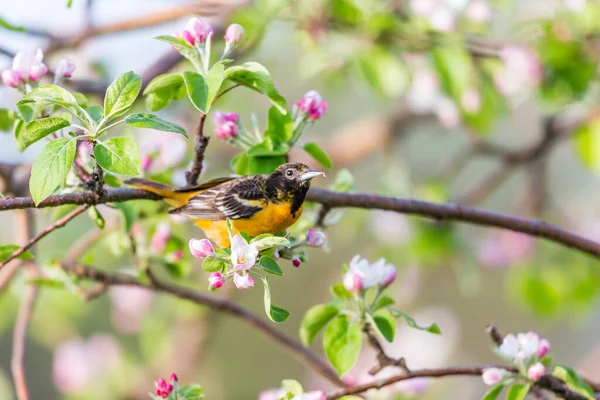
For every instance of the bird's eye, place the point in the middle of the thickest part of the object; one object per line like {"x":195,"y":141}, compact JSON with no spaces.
{"x":289,"y":173}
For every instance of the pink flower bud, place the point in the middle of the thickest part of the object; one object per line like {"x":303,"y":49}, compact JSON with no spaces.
{"x":64,"y":68}
{"x":244,"y":281}
{"x":216,"y":280}
{"x":315,"y":395}
{"x":389,"y":275}
{"x":146,"y":162}
{"x":186,"y":35}
{"x":312,"y":105}
{"x":349,"y":381}
{"x":198,"y":29}
{"x":492,"y":376}
{"x":226,"y":124}
{"x":175,"y":256}
{"x":173,"y":377}
{"x":234,"y":34}
{"x":201,"y":248}
{"x":137,"y":231}
{"x":543,"y":348}
{"x":296,"y":261}
{"x":163,"y":389}
{"x":536,"y":371}
{"x":12,"y":78}
{"x":315,"y":238}
{"x":37,"y":72}
{"x":353,"y":282}
{"x":161,"y":237}
{"x":471,"y":101}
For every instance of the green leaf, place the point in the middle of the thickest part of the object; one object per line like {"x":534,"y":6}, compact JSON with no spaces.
{"x":256,"y":77}
{"x":382,"y":301}
{"x":315,"y":319}
{"x":40,"y":128}
{"x":7,"y":25}
{"x":214,"y":80}
{"x":18,"y":134}
{"x":268,"y":148}
{"x":270,"y":265}
{"x":339,"y":291}
{"x":55,"y":95}
{"x":118,"y":155}
{"x":128,"y":214}
{"x":143,"y":120}
{"x":155,"y":102}
{"x":573,"y":380}
{"x":274,"y":313}
{"x":81,"y":99}
{"x":197,"y":90}
{"x":263,"y":243}
{"x":494,"y":392}
{"x":7,"y":119}
{"x":385,"y":71}
{"x":265,"y":164}
{"x":51,"y":167}
{"x":292,"y":386}
{"x":241,"y":164}
{"x":95,"y":216}
{"x":586,"y":143}
{"x":26,"y":112}
{"x":191,"y":392}
{"x":433,"y":328}
{"x":112,"y":180}
{"x":318,"y":154}
{"x":8,"y":249}
{"x":281,"y":126}
{"x":518,"y":391}
{"x":121,"y":94}
{"x":165,"y":84}
{"x":385,"y":324}
{"x":211,"y":264}
{"x":95,"y":112}
{"x":47,"y":283}
{"x":342,"y":342}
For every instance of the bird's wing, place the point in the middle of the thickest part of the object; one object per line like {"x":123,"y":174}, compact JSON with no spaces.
{"x":236,"y":199}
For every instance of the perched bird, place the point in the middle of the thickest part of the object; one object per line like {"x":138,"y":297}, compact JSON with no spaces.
{"x":255,"y":204}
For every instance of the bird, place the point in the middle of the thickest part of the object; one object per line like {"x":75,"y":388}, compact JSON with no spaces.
{"x":255,"y":204}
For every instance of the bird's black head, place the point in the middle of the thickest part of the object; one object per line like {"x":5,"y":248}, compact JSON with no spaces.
{"x":290,"y":181}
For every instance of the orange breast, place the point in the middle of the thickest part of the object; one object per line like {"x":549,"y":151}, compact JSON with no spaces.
{"x":272,"y":219}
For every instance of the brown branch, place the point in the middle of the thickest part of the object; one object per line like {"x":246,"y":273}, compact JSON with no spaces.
{"x":199,"y":149}
{"x":383,"y":359}
{"x":214,"y":303}
{"x":58,"y":224}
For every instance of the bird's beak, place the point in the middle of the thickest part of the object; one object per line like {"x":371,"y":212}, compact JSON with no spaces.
{"x":309,"y":174}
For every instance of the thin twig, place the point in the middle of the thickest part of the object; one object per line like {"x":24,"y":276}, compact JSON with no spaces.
{"x":383,"y":360}
{"x":199,"y":149}
{"x":58,"y":224}
{"x":215,"y":303}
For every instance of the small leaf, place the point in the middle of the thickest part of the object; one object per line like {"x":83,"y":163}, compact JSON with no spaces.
{"x":433,"y":328}
{"x":143,"y":120}
{"x":270,"y":241}
{"x":191,"y":392}
{"x":51,"y":167}
{"x":8,"y":249}
{"x":95,"y":112}
{"x":55,"y":95}
{"x":7,"y":119}
{"x":197,"y":90}
{"x":385,"y":324}
{"x":342,"y":342}
{"x":214,"y":80}
{"x":274,"y":313}
{"x":318,"y":154}
{"x":265,"y":164}
{"x":118,"y":155}
{"x":165,"y":84}
{"x":494,"y":392}
{"x":518,"y":391}
{"x":382,"y":301}
{"x":573,"y":380}
{"x":281,"y":126}
{"x":256,"y":77}
{"x":315,"y":319}
{"x":155,"y":102}
{"x":270,"y":265}
{"x":211,"y":264}
{"x":40,"y":128}
{"x":121,"y":94}
{"x":339,"y":291}
{"x":292,"y":387}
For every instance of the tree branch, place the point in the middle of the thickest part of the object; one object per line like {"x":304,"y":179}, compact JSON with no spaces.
{"x":199,"y":149}
{"x":215,"y":303}
{"x":58,"y":224}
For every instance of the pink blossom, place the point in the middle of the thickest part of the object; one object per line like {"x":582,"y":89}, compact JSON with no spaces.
{"x":471,"y":101}
{"x":174,"y":256}
{"x":173,"y":377}
{"x":201,"y":248}
{"x":272,"y":394}
{"x":312,"y":395}
{"x":296,"y":262}
{"x":129,"y":305}
{"x":234,"y":34}
{"x":161,"y":237}
{"x":146,"y":162}
{"x":186,"y":35}
{"x":25,"y":67}
{"x":216,"y":280}
{"x":137,"y":231}
{"x":352,"y":282}
{"x":227,"y":124}
{"x":521,"y":69}
{"x":12,"y":78}
{"x":536,"y":371}
{"x":84,"y":151}
{"x":362,"y":275}
{"x":312,"y":105}
{"x":479,"y":11}
{"x":243,"y":255}
{"x":543,"y":348}
{"x":493,"y":376}
{"x":243,"y":281}
{"x":198,"y":29}
{"x":315,"y":238}
{"x":64,"y":68}
{"x":163,"y":389}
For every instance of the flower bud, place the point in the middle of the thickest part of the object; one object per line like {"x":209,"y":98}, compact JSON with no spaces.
{"x":315,"y":238}
{"x":163,"y":389}
{"x":146,"y":162}
{"x":12,"y":78}
{"x":543,"y":348}
{"x":186,"y":35}
{"x":536,"y":371}
{"x":389,"y":275}
{"x":173,"y":377}
{"x":312,"y":105}
{"x":315,"y":395}
{"x":161,"y":237}
{"x":201,"y":248}
{"x":244,"y":281}
{"x":64,"y":68}
{"x":234,"y":34}
{"x":174,"y":256}
{"x":198,"y":29}
{"x":37,"y":72}
{"x":492,"y":376}
{"x":353,"y":282}
{"x":226,"y":124}
{"x":216,"y":280}
{"x":296,"y":261}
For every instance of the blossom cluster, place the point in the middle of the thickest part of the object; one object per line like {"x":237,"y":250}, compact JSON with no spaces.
{"x":443,"y":15}
{"x":29,"y":68}
{"x":362,"y":275}
{"x":525,"y":351}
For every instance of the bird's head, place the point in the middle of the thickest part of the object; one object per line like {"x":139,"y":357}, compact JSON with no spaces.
{"x":291,"y":178}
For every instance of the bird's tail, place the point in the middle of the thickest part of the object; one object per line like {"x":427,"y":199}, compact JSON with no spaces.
{"x":174,"y":197}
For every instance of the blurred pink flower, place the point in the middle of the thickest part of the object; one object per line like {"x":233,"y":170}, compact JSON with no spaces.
{"x":226,"y":124}
{"x":521,"y":69}
{"x":243,"y":281}
{"x":536,"y":371}
{"x":271,"y":394}
{"x":390,"y":228}
{"x":163,"y":389}
{"x":443,"y":18}
{"x":234,"y":34}
{"x":84,"y":152}
{"x":312,"y":105}
{"x":12,"y":78}
{"x":505,"y":248}
{"x":296,"y":262}
{"x":198,"y":29}
{"x":422,"y":7}
{"x":479,"y":11}
{"x":64,"y":68}
{"x":186,"y":35}
{"x":493,"y":376}
{"x":312,"y":395}
{"x":129,"y":305}
{"x":424,"y":91}
{"x":315,"y":238}
{"x":201,"y":248}
{"x":160,"y":150}
{"x":162,"y":234}
{"x":575,"y":5}
{"x":543,"y":348}
{"x":362,"y":275}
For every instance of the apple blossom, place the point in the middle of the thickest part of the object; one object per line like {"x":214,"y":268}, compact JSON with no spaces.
{"x":362,"y":275}
{"x":315,"y":238}
{"x":243,"y":255}
{"x":234,"y":34}
{"x":201,"y":248}
{"x":536,"y":371}
{"x":493,"y":376}
{"x":216,"y":280}
{"x":198,"y":29}
{"x":543,"y":348}
{"x":64,"y":68}
{"x":243,"y":281}
{"x":312,"y":105}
